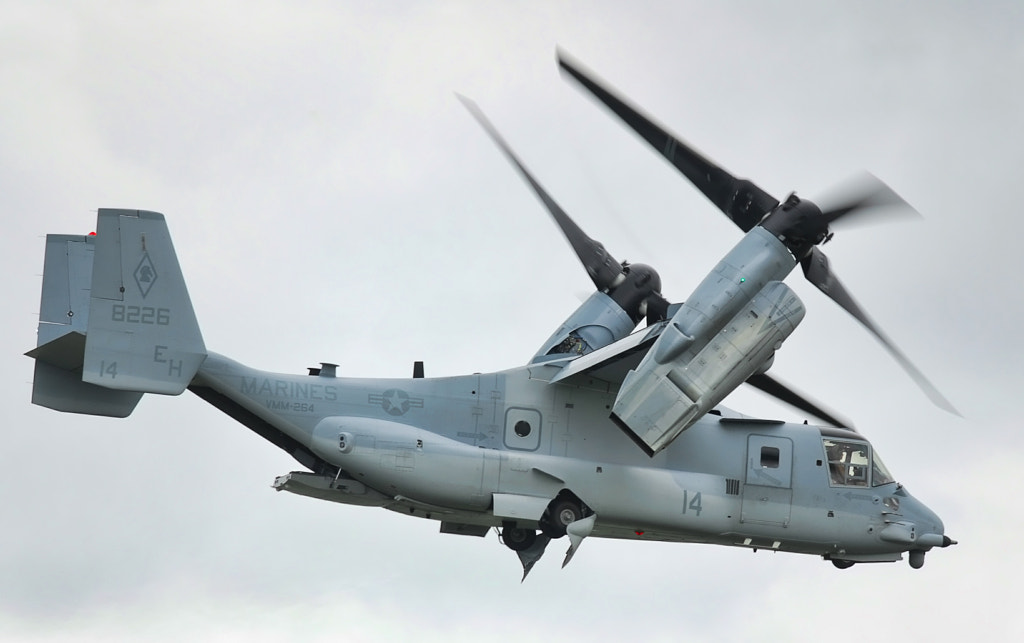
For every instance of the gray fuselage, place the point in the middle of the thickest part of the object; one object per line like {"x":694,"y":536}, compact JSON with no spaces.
{"x":487,"y":449}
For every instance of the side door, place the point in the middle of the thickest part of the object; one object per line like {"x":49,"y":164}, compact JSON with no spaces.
{"x":768,"y":488}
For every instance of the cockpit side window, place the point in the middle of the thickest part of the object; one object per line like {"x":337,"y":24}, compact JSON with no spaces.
{"x":848,"y":463}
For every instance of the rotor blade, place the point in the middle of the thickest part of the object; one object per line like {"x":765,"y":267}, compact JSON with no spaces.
{"x":862,"y":196}
{"x":604,"y":271}
{"x":817,"y":271}
{"x":739,"y":199}
{"x":777,"y":389}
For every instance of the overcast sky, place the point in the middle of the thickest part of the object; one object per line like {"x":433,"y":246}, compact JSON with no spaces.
{"x":331,"y":200}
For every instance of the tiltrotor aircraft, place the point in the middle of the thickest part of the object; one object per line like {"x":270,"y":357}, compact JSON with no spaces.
{"x":607,"y":431}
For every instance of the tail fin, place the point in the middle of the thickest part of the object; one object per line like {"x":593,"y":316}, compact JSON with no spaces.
{"x":115,"y":320}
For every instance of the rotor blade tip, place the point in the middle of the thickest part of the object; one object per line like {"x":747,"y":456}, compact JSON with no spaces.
{"x":567,"y":63}
{"x":468,"y":102}
{"x":944,"y":404}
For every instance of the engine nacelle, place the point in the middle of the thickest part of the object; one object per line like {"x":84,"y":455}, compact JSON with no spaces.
{"x":402,"y":460}
{"x":684,"y":378}
{"x":598,"y":322}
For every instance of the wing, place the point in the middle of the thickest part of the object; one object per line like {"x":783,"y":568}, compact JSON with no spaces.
{"x":611,"y":363}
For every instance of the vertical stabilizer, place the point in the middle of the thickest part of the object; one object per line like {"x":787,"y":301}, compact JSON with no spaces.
{"x":115,"y":318}
{"x":63,"y":320}
{"x":142,"y":333}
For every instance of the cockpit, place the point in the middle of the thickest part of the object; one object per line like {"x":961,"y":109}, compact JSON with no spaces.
{"x":852,"y":464}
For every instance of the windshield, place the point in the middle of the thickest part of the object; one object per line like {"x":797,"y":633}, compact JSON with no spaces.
{"x":879,"y":474}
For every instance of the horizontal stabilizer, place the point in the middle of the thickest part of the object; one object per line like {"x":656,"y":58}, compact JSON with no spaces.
{"x":61,"y":390}
{"x":67,"y":352}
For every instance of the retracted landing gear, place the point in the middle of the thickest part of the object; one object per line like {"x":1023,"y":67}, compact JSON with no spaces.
{"x":526,"y":543}
{"x":562,"y":512}
{"x":566,"y":514}
{"x":842,"y":564}
{"x":517,"y":538}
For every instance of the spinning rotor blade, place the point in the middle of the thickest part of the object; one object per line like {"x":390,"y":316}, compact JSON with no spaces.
{"x":861,"y":197}
{"x":799,"y":224}
{"x":816,"y":269}
{"x":739,"y":199}
{"x":777,"y":389}
{"x":604,"y":271}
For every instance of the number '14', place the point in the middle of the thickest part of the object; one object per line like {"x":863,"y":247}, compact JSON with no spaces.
{"x":691,"y":504}
{"x":108,"y":369}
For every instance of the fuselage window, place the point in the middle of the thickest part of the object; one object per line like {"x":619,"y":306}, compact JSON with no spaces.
{"x":522,"y":428}
{"x":769,"y":457}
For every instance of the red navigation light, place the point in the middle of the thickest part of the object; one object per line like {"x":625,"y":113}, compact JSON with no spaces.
{"x":92,"y":234}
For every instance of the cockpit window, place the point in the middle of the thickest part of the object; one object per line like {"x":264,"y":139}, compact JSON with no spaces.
{"x":848,"y":463}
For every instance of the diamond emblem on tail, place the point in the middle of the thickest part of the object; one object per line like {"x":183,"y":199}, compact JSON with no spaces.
{"x":145,"y":275}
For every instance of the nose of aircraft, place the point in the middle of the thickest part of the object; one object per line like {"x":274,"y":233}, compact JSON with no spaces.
{"x":925,"y":529}
{"x":927,"y":521}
